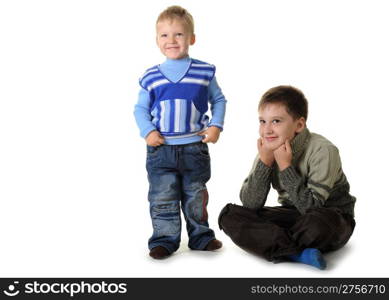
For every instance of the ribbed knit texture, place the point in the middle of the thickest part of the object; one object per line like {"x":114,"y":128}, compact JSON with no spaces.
{"x":315,"y":178}
{"x":174,"y":73}
{"x":178,"y":108}
{"x":256,"y":186}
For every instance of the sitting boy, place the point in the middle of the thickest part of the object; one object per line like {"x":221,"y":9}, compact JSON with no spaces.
{"x":317,"y":212}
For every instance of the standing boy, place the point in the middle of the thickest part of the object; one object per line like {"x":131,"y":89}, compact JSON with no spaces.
{"x":171,"y":115}
{"x":317,"y":212}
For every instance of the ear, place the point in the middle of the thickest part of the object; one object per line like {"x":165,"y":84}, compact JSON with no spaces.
{"x":301,"y":124}
{"x":192,"y":39}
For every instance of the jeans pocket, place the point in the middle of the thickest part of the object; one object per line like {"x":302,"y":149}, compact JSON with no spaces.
{"x":151,"y":150}
{"x":203,"y":150}
{"x":153,"y":156}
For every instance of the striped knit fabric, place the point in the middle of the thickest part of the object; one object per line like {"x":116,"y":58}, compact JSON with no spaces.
{"x":178,"y":109}
{"x":315,"y":178}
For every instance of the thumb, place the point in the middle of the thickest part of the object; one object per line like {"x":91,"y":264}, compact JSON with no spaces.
{"x":161,"y":139}
{"x":206,"y":139}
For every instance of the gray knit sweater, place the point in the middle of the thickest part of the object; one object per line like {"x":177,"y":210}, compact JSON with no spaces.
{"x":315,"y":178}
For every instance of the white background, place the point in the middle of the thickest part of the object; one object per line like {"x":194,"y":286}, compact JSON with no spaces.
{"x":73,"y":185}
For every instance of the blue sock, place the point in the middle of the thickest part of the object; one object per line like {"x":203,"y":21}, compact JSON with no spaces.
{"x":310,"y":256}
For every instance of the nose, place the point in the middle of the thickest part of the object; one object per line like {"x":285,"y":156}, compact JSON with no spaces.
{"x":171,"y":39}
{"x":266,"y":129}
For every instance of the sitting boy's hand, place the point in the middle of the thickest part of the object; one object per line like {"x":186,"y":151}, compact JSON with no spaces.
{"x":155,"y":139}
{"x":283,"y":155}
{"x":211,"y":134}
{"x":265,"y":153}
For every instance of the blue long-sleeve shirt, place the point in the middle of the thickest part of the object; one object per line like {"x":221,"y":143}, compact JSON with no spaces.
{"x":174,"y":70}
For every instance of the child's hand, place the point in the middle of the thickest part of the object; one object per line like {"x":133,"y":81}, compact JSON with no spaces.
{"x":211,"y":134}
{"x":155,"y":139}
{"x":283,"y":155}
{"x":265,"y":154}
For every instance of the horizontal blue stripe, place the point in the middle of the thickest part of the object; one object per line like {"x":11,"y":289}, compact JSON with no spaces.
{"x":152,"y":76}
{"x":195,"y":76}
{"x":147,"y":81}
{"x":201,"y":72}
{"x":203,"y":68}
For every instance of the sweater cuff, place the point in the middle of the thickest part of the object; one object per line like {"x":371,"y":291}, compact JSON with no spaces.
{"x":144,"y":133}
{"x":290,"y":178}
{"x":216,"y":125}
{"x":262,"y":170}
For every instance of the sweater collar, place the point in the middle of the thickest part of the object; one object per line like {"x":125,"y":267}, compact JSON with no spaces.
{"x":174,"y":62}
{"x":300,"y":141}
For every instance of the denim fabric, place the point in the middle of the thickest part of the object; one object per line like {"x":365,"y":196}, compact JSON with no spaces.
{"x":177,"y":176}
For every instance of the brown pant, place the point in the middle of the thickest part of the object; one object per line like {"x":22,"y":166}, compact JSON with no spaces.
{"x":275,"y":232}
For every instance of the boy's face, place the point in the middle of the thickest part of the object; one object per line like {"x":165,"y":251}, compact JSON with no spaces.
{"x":173,"y":39}
{"x":277,"y":125}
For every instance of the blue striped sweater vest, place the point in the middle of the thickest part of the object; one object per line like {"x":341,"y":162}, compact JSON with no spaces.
{"x":178,"y":109}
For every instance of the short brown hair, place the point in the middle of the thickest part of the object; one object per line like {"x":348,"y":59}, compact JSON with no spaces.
{"x":177,"y":13}
{"x":294,"y":100}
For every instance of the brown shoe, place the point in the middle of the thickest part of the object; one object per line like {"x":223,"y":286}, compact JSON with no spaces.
{"x":214,"y":245}
{"x":159,"y":252}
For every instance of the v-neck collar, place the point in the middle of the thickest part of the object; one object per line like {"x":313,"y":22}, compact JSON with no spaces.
{"x":171,"y":62}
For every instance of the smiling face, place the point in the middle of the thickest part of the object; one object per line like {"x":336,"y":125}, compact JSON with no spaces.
{"x":174,"y":39}
{"x":277,"y":125}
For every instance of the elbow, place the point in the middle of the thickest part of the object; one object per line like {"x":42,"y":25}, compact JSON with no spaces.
{"x":248,"y":201}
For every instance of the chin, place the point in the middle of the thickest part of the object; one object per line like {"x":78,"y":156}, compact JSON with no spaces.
{"x":276,"y":144}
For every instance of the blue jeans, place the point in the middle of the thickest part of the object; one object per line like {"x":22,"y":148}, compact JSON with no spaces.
{"x":177,"y":176}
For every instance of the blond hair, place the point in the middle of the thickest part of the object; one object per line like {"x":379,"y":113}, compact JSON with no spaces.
{"x":176,"y":12}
